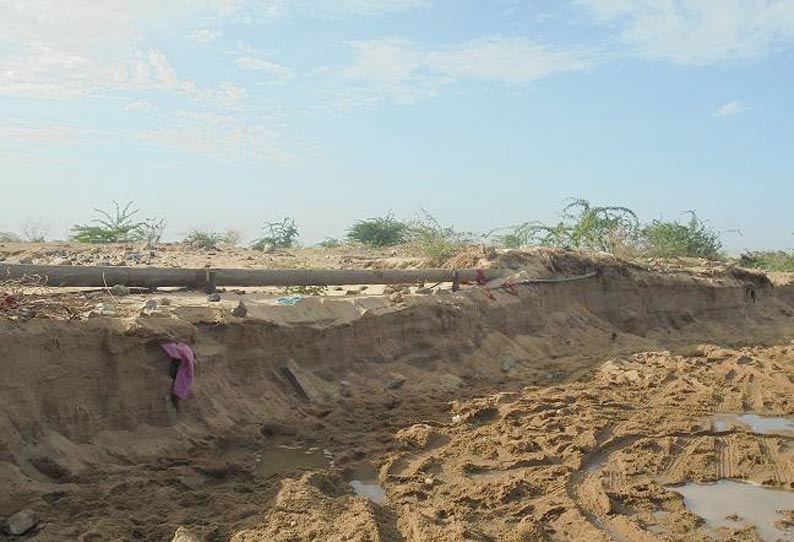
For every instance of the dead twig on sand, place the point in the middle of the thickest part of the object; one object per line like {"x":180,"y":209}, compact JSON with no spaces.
{"x":27,"y":298}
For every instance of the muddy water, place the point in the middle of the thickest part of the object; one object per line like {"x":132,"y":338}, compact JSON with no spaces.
{"x":279,"y":460}
{"x":369,"y":489}
{"x":290,"y":459}
{"x":758,"y":424}
{"x":754,"y":505}
{"x":364,"y":481}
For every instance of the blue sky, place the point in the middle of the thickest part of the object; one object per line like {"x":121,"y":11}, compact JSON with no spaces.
{"x":227,"y":113}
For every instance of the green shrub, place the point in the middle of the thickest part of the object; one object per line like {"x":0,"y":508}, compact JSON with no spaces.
{"x":150,"y":231}
{"x":330,"y":242}
{"x":282,"y":234}
{"x":768,"y":260}
{"x":205,"y":239}
{"x":116,"y":226}
{"x":434,"y":241}
{"x":533,"y":233}
{"x":507,"y":240}
{"x":232,"y":238}
{"x":693,"y":239}
{"x":583,"y":226}
{"x":9,"y":237}
{"x":384,"y":231}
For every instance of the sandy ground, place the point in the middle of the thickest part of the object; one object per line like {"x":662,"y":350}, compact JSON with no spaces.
{"x":178,"y":255}
{"x":594,"y":460}
{"x":35,"y":298}
{"x":563,"y":413}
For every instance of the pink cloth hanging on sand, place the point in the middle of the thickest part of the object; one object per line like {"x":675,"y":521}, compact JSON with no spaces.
{"x":187,"y":364}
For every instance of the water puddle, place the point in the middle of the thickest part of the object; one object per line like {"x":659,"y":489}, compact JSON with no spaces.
{"x":369,"y":490}
{"x":758,"y":424}
{"x":657,"y":527}
{"x":364,"y":481}
{"x":284,"y":458}
{"x":281,"y":459}
{"x":733,"y":504}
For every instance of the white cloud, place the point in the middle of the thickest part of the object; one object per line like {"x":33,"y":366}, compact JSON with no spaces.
{"x":48,"y":73}
{"x":162,"y":70}
{"x":367,"y":7}
{"x":204,"y":35}
{"x":225,"y":7}
{"x":251,"y":59}
{"x":511,"y":60}
{"x":248,"y":62}
{"x":699,"y":32}
{"x":139,"y":106}
{"x":14,"y":130}
{"x":230,"y":92}
{"x":387,"y":60}
{"x":55,"y":50}
{"x":388,"y":67}
{"x":226,"y":138}
{"x":407,"y":71}
{"x":69,"y":24}
{"x":62,"y":50}
{"x":77,"y":24}
{"x":734,"y":107}
{"x":51,"y":73}
{"x":270,"y":9}
{"x":256,"y":63}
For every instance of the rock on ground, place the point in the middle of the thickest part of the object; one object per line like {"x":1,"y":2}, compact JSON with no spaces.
{"x":21,"y":522}
{"x":119,"y":290}
{"x":240,"y":311}
{"x":183,"y":534}
{"x":396,"y":380}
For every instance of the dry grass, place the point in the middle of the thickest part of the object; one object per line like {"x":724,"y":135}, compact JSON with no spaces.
{"x":29,"y":298}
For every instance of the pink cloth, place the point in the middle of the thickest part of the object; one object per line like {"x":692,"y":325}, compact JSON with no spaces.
{"x":187,"y":365}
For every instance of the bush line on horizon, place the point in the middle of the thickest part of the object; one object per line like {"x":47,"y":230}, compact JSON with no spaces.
{"x":613,"y":229}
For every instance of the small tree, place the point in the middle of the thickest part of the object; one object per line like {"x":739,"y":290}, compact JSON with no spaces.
{"x":232,"y":238}
{"x":116,"y":226}
{"x":282,"y":234}
{"x":150,"y":231}
{"x":35,"y":231}
{"x":693,"y":239}
{"x":385,"y":231}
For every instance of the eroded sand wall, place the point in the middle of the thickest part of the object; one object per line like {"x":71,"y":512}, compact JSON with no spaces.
{"x":82,"y":378}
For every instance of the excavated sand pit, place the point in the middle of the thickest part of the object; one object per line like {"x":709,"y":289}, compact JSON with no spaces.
{"x":575,"y":411}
